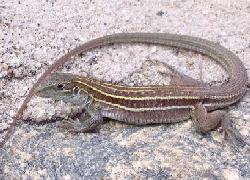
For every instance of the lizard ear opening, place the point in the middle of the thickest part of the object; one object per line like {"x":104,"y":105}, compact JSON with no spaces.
{"x":76,"y":90}
{"x":60,"y":86}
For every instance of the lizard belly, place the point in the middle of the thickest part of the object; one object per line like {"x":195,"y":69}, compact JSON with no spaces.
{"x":149,"y":116}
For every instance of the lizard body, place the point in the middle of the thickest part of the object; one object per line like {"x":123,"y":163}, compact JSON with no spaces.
{"x":148,"y":104}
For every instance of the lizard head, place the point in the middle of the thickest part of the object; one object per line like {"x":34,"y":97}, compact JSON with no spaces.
{"x":59,"y":86}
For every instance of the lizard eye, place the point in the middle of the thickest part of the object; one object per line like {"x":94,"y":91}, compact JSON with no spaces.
{"x":60,"y":86}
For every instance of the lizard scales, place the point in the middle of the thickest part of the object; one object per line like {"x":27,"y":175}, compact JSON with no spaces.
{"x":154,"y":104}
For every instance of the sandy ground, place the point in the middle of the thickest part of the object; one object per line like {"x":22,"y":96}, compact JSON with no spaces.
{"x":35,"y":33}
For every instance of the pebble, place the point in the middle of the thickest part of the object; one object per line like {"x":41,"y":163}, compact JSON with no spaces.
{"x":15,"y":62}
{"x":3,"y":70}
{"x":231,"y":174}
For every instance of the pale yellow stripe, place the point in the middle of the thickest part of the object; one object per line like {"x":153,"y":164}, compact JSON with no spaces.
{"x":137,"y":98}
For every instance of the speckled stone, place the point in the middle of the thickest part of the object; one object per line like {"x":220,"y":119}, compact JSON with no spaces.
{"x":36,"y":33}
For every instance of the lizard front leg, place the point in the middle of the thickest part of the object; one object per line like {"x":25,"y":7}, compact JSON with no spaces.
{"x":88,"y":120}
{"x":205,"y":122}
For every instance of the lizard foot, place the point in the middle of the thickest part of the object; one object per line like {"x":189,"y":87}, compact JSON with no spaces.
{"x":205,"y":122}
{"x":86,"y":123}
{"x":231,"y":134}
{"x":74,"y":126}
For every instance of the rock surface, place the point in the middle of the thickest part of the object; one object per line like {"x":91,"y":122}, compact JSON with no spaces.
{"x":35,"y":33}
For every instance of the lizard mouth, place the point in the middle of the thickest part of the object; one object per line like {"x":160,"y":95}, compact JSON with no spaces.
{"x":44,"y":92}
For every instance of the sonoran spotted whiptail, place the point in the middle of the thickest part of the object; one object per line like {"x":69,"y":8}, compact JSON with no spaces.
{"x":182,"y":99}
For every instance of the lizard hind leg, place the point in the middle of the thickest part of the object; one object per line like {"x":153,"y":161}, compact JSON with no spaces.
{"x":177,"y":78}
{"x":205,"y":122}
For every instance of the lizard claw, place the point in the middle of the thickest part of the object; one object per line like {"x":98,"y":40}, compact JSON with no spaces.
{"x":235,"y":138}
{"x":232,"y":135}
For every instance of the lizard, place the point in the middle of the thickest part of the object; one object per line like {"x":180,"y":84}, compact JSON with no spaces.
{"x":182,"y":99}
